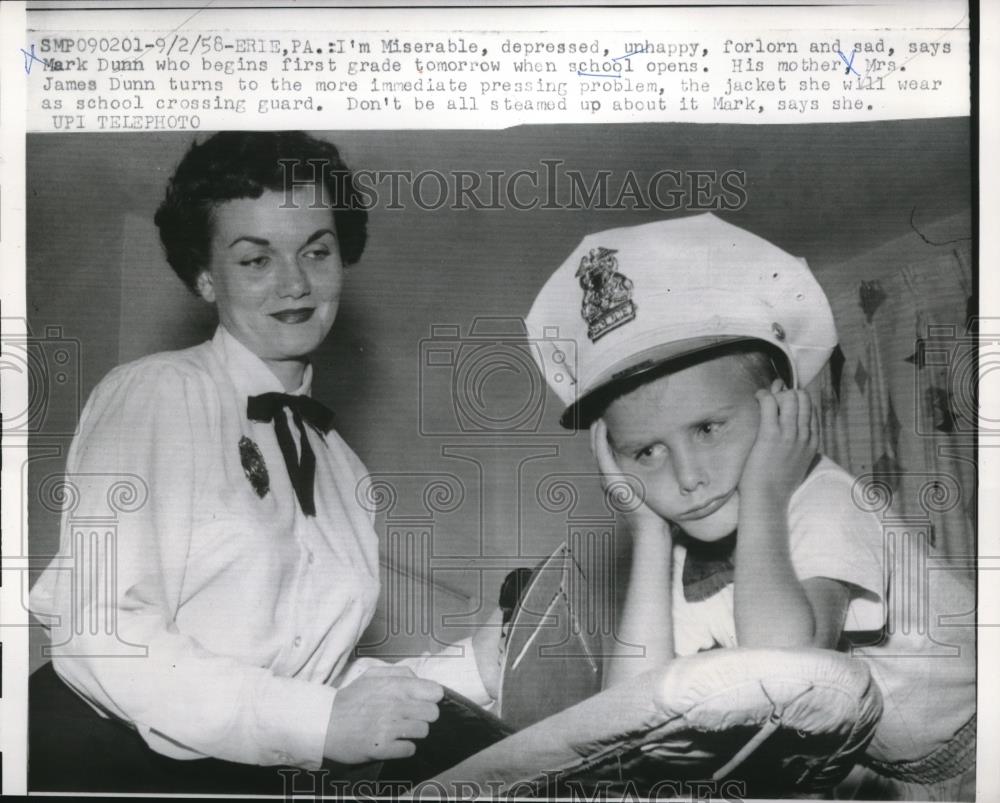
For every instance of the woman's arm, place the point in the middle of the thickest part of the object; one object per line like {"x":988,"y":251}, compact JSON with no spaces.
{"x":153,"y":426}
{"x":116,"y":640}
{"x":115,"y":635}
{"x":644,"y":638}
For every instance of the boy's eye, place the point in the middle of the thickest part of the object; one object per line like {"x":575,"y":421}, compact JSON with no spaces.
{"x":709,"y":428}
{"x":650,"y":454}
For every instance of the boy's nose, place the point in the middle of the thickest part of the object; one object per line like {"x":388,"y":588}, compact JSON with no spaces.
{"x":689,"y":472}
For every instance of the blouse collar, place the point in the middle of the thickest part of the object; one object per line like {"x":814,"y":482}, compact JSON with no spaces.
{"x":249,"y":373}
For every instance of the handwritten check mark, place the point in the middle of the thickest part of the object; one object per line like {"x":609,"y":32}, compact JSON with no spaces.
{"x":29,"y":58}
{"x":850,"y":64}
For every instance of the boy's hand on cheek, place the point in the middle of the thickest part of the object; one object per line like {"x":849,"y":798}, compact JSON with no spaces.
{"x":787,"y":441}
{"x":626,"y":490}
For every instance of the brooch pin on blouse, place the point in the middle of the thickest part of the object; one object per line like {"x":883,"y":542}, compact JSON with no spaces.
{"x":254,"y":467}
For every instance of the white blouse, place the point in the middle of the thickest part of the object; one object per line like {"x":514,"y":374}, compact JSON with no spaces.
{"x":216,"y":621}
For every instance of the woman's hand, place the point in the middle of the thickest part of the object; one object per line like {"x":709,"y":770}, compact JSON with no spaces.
{"x":787,"y":442}
{"x":488,"y":645}
{"x":627,"y":491}
{"x":377,"y":716}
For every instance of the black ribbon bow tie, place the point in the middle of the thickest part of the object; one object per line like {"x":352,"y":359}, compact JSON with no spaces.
{"x":301,"y":470}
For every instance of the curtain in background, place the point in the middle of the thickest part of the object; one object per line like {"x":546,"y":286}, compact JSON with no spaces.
{"x":897,"y":400}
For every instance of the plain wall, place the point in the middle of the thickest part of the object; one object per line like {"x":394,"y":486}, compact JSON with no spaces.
{"x":97,"y":275}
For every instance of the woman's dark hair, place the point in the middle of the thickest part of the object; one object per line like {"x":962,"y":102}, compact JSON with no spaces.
{"x":246,"y":164}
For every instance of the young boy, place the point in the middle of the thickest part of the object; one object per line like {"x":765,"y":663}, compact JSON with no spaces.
{"x":693,"y":339}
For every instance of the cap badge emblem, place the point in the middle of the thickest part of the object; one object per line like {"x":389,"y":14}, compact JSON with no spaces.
{"x":607,"y":294}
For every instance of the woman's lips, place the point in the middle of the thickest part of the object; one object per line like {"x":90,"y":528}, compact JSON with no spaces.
{"x":706,"y":509}
{"x":300,"y":315}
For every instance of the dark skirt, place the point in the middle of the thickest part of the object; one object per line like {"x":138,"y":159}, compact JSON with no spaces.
{"x":71,"y":748}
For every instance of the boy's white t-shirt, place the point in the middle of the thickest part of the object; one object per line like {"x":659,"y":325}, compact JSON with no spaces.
{"x":924,"y":669}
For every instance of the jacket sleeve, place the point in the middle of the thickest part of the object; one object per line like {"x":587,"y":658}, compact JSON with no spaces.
{"x":114,"y":604}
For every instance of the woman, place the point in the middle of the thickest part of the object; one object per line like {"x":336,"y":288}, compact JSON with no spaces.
{"x":246,"y":577}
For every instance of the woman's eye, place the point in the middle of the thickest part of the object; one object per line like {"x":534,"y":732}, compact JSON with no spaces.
{"x":254,"y":262}
{"x":317,"y":254}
